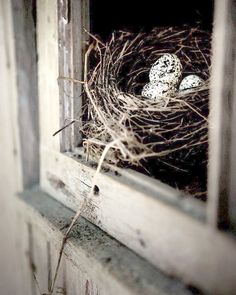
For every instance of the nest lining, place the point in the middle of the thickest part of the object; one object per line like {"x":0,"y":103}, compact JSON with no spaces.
{"x":137,"y":128}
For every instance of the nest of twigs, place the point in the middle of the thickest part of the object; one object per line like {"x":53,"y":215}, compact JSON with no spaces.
{"x":137,"y":128}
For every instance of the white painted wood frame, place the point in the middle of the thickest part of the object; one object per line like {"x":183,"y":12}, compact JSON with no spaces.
{"x":93,"y":262}
{"x":149,"y":217}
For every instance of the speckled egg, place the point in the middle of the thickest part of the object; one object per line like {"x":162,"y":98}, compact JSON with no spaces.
{"x":158,"y":91}
{"x":190,"y":82}
{"x":166,"y":69}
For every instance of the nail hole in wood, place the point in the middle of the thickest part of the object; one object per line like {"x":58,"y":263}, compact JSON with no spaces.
{"x":96,"y":190}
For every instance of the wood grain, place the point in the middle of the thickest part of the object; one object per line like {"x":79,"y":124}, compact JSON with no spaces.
{"x":48,"y":72}
{"x":222,"y":170}
{"x":72,"y":20}
{"x":93,"y":263}
{"x":27,"y":90}
{"x":13,"y":245}
{"x":154,"y":221}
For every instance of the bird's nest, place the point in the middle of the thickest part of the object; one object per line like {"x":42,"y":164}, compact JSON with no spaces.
{"x":138,"y":129}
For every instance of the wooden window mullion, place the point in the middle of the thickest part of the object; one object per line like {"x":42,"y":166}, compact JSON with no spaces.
{"x":79,"y":22}
{"x":222,"y":149}
{"x":65,"y":70}
{"x":73,"y":17}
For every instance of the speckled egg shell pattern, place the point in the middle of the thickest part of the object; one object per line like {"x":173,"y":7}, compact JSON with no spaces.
{"x":157,"y":91}
{"x":190,"y":82}
{"x":166,"y":69}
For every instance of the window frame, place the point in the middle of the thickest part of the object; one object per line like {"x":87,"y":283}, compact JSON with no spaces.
{"x":172,"y":232}
{"x":222,"y":167}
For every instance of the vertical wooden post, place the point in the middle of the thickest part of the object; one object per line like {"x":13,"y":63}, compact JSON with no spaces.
{"x":65,"y":70}
{"x":80,"y":21}
{"x":232,"y":151}
{"x":222,"y":150}
{"x":73,"y":17}
{"x":27,"y":90}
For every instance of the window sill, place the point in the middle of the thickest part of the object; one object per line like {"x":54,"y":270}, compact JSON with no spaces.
{"x":112,"y":267}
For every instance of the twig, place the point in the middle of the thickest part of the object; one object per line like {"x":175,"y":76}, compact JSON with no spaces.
{"x":78,"y":213}
{"x":64,"y":127}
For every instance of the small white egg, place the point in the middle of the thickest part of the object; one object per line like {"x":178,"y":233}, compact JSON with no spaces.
{"x":190,"y":82}
{"x":167,"y":68}
{"x":157,"y":91}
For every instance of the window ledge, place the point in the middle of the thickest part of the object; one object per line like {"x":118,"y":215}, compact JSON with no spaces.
{"x":112,"y":266}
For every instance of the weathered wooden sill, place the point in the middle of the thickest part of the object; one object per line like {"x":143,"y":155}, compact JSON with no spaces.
{"x":112,"y":267}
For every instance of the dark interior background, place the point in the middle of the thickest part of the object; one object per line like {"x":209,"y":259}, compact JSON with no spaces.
{"x":107,"y":15}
